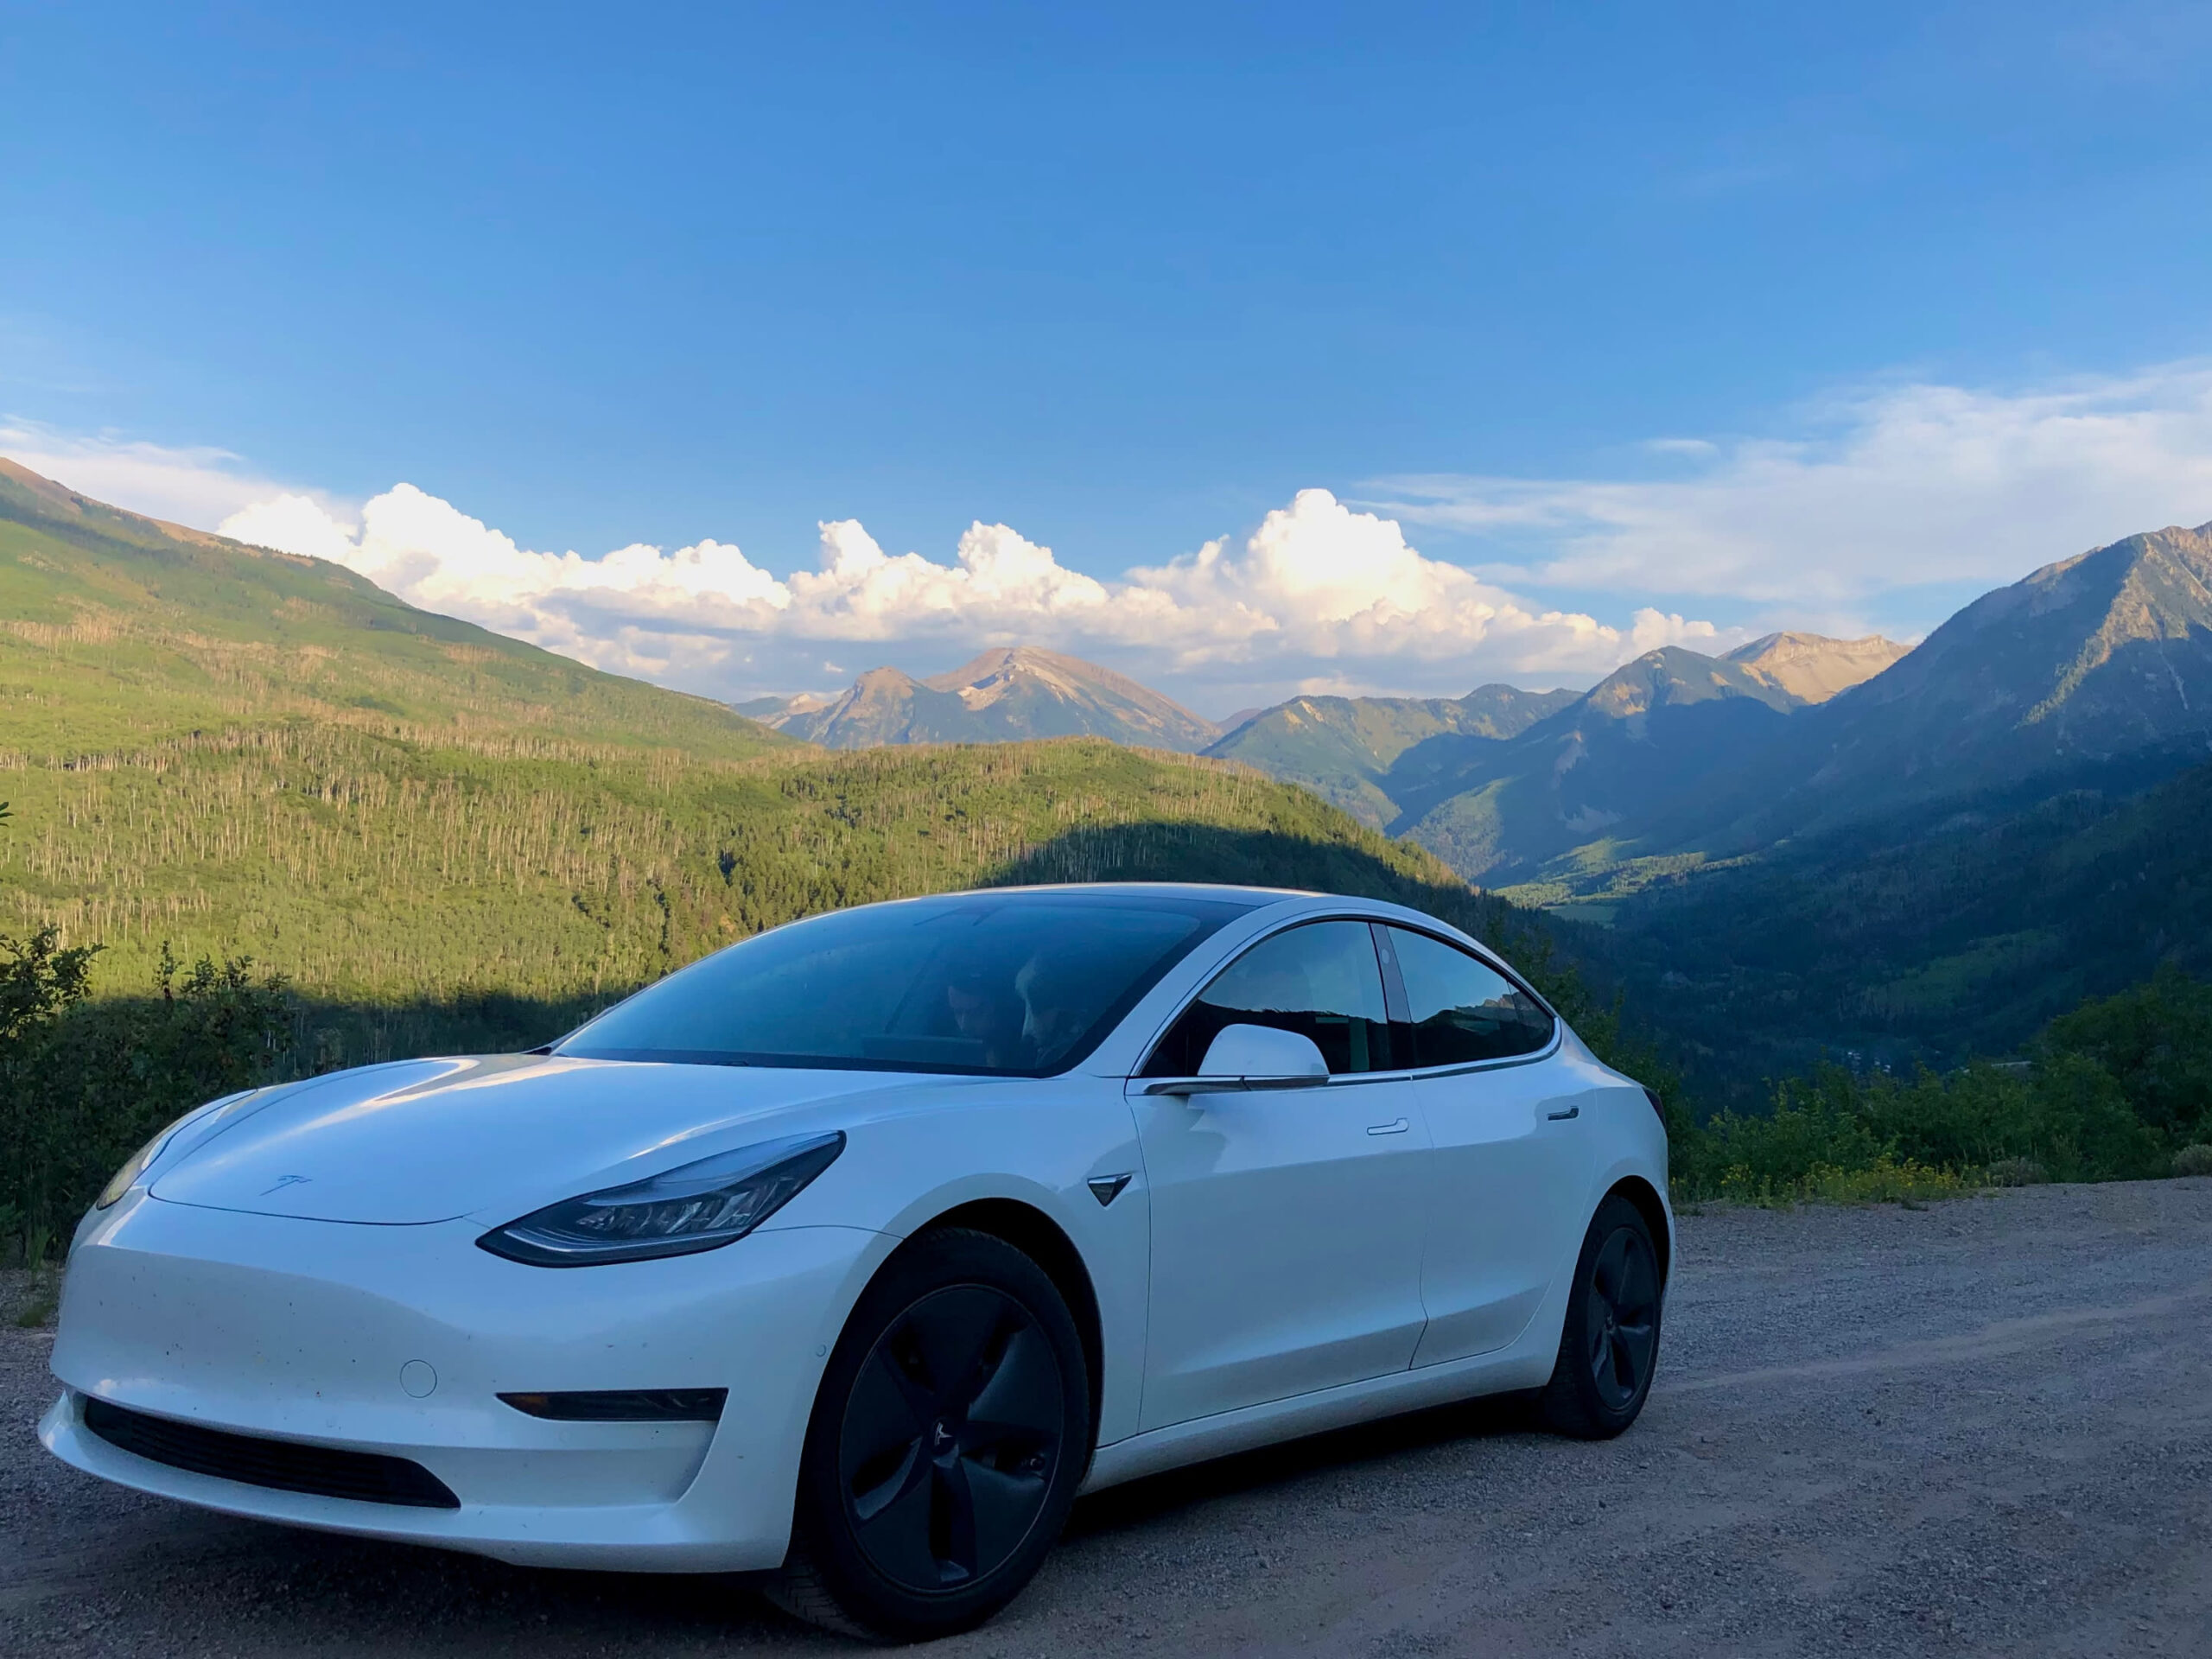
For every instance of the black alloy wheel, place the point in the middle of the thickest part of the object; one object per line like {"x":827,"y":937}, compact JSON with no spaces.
{"x":951,"y":1429}
{"x":950,"y":1437}
{"x":1610,"y":1344}
{"x":1621,"y":1323}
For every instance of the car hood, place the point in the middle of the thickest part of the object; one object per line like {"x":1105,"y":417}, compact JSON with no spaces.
{"x":425,"y":1141}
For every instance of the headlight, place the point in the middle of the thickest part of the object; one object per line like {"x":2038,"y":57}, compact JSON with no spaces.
{"x":693,"y":1207}
{"x":133,"y":1167}
{"x":137,"y":1164}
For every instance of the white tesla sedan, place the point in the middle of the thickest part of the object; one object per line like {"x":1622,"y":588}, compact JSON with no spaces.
{"x":853,"y":1252}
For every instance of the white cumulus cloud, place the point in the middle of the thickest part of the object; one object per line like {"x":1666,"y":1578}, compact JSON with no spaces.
{"x":1319,"y":596}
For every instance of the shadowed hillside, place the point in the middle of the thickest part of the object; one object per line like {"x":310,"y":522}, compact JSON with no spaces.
{"x":1932,"y":935}
{"x":1653,"y":731}
{"x":1343,"y":748}
{"x":1502,"y":782}
{"x":2092,"y":660}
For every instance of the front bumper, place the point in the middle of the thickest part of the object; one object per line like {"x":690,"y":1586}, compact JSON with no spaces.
{"x":301,"y":1329}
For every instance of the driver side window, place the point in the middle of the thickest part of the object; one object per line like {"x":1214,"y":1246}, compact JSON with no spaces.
{"x":1319,"y":980}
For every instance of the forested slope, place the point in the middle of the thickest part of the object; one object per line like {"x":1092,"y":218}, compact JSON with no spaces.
{"x":370,"y":866}
{"x":1932,"y":935}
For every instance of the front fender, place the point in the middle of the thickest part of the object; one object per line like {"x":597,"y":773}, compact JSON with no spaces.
{"x":1038,"y":1147}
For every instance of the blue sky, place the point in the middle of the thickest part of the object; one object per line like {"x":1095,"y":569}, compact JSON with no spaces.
{"x":1526,"y":282}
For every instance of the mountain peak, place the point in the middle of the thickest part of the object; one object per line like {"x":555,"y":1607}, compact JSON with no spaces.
{"x":1007,"y":694}
{"x":2088,"y":660}
{"x":2107,"y":650}
{"x":1674,"y":675}
{"x":885,"y":682}
{"x":1000,"y":671}
{"x":1812,"y":667}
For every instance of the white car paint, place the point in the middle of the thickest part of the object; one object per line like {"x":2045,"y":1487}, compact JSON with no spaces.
{"x":1286,"y":1243}
{"x":1269,"y":1268}
{"x":1503,"y":1218}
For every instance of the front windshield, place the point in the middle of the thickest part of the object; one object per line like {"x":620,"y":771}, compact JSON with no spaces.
{"x":1013,"y":984}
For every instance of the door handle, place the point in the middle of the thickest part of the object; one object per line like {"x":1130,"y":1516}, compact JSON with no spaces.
{"x":1396,"y":1126}
{"x":1562,"y":1117}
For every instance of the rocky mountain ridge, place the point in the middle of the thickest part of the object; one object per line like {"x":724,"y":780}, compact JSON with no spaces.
{"x":1008,"y":693}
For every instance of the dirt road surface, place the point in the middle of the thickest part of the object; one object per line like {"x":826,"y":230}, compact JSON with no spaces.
{"x":1982,"y":1426}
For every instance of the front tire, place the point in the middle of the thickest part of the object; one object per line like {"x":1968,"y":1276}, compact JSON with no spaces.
{"x":1610,"y":1344}
{"x":948,"y":1436}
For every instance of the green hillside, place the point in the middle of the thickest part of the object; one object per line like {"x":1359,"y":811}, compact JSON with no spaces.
{"x":370,"y":866}
{"x":122,"y":632}
{"x":435,"y":900}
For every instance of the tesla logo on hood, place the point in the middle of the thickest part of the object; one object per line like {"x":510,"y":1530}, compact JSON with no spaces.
{"x":283,"y":1181}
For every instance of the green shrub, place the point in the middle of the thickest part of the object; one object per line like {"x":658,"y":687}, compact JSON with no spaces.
{"x":84,"y":1083}
{"x":37,"y":981}
{"x":2195,"y":1160}
{"x":1814,"y":1125}
{"x":2064,"y":1118}
{"x":2155,"y":1040}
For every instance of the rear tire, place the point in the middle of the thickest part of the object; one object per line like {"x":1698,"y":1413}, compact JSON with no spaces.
{"x":1610,"y":1344}
{"x":948,"y":1436}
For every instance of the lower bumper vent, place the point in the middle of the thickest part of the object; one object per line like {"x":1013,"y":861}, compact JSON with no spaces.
{"x":624,"y":1406}
{"x":287,"y":1466}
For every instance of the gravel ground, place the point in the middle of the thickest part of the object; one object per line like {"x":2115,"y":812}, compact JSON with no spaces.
{"x":1981,"y":1427}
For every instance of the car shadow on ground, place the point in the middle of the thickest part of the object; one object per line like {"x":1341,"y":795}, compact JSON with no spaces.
{"x":1158,"y":1497}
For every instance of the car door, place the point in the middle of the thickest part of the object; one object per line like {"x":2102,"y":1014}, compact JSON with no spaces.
{"x":1286,"y":1222}
{"x":1512,"y":1160}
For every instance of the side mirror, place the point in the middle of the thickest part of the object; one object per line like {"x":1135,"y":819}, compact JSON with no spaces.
{"x":1255,"y":1056}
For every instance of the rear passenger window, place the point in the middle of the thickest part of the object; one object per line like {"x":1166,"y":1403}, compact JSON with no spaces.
{"x":1320,"y":980}
{"x":1463,"y":1009}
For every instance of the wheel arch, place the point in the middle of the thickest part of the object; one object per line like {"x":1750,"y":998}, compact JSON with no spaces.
{"x":1649,"y":1204}
{"x":1042,"y":1239}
